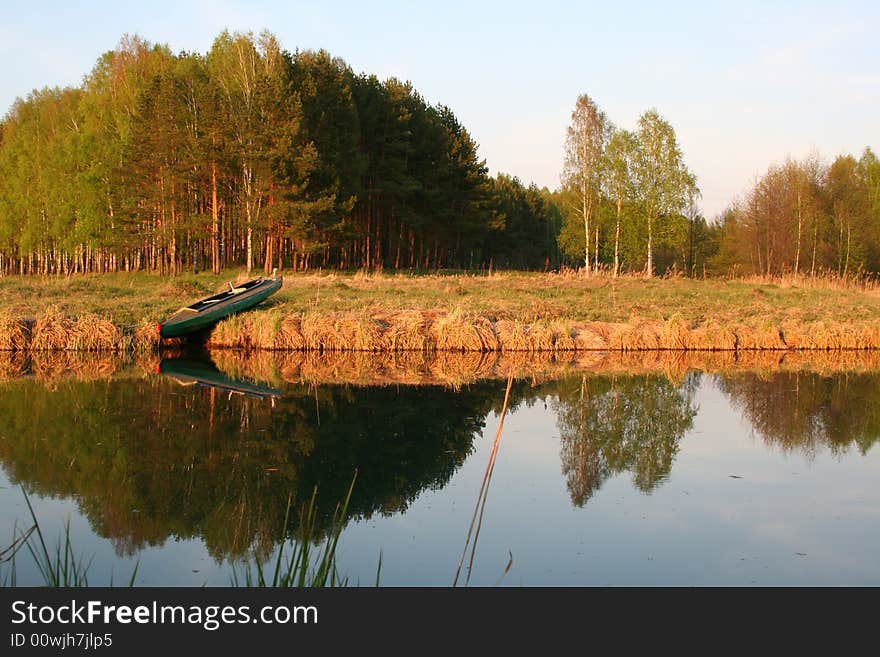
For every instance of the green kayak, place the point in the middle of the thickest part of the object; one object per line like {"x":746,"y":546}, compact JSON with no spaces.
{"x":209,"y":311}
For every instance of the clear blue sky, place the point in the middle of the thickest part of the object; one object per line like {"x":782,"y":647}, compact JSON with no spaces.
{"x":743,"y":83}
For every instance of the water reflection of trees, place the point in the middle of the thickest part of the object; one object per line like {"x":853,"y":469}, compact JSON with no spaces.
{"x":805,"y":411}
{"x":147,"y":460}
{"x":609,"y":425}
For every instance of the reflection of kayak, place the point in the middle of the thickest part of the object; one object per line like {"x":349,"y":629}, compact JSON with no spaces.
{"x":187,"y":371}
{"x":208,"y":311}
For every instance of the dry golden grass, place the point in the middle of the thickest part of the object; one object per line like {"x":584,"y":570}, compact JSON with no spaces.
{"x":290,"y":337}
{"x":406,"y":330}
{"x":145,"y":338}
{"x":513,"y":335}
{"x":456,"y":331}
{"x":507,"y":311}
{"x":54,"y":331}
{"x":246,"y":331}
{"x":51,"y":331}
{"x":826,"y":281}
{"x":563,"y":336}
{"x":14,"y":334}
{"x":712,"y":337}
{"x":591,"y":337}
{"x":92,"y":333}
{"x":341,"y":332}
{"x":676,"y":334}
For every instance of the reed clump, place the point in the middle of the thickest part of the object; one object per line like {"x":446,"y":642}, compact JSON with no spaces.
{"x":145,"y":338}
{"x":591,"y":337}
{"x":51,"y":331}
{"x":676,"y":334}
{"x":513,"y":335}
{"x":54,"y":331}
{"x":644,"y":336}
{"x":14,"y":333}
{"x":563,"y":336}
{"x":92,"y":333}
{"x":504,"y":312}
{"x":711,"y":336}
{"x":289,"y":336}
{"x":457,"y":331}
{"x":341,"y":332}
{"x":407,"y":330}
{"x":246,"y":331}
{"x":764,"y":337}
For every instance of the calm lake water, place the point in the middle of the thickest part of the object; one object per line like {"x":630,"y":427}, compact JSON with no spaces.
{"x":685,"y":479}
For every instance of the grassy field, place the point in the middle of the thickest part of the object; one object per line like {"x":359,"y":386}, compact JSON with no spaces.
{"x":505,"y":310}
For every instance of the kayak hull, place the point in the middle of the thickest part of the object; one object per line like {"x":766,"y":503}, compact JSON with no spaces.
{"x":209,"y":311}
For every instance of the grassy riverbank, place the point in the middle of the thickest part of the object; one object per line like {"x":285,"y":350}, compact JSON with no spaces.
{"x":504,"y":312}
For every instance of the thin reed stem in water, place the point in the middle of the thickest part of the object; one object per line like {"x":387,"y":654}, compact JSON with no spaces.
{"x":484,"y":492}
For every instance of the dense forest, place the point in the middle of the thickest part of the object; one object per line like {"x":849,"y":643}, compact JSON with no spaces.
{"x":253,"y":156}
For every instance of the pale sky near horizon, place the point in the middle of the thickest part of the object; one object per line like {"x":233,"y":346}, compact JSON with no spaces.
{"x":743,"y":83}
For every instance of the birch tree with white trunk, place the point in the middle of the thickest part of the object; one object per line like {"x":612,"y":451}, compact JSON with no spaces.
{"x":585,"y":141}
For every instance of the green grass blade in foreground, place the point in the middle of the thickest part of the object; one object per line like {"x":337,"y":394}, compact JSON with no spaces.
{"x":58,"y":568}
{"x":300,"y":568}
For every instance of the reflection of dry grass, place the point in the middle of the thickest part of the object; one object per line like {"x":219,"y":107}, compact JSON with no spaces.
{"x":455,"y":369}
{"x":451,"y":369}
{"x":52,"y":367}
{"x":13,"y":365}
{"x":458,"y":369}
{"x":256,"y":366}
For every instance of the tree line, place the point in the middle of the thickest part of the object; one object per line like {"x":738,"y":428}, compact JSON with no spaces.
{"x":629,"y":203}
{"x":807,"y":218}
{"x":249,"y":155}
{"x":252,"y":155}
